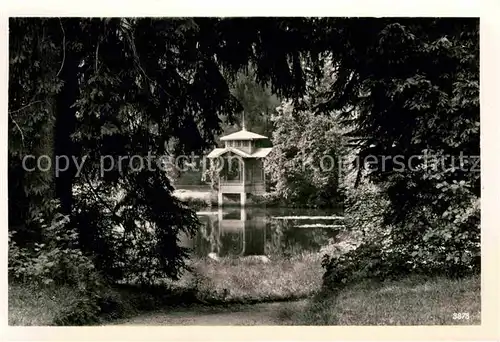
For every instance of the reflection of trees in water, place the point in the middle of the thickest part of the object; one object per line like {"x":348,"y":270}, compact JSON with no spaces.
{"x":274,"y":243}
{"x":255,"y":238}
{"x":232,"y":243}
{"x":208,"y":238}
{"x":286,"y":240}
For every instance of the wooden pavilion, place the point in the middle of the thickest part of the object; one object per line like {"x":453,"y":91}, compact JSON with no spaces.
{"x":241,"y":164}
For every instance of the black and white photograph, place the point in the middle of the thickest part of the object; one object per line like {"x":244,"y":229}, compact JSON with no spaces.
{"x":244,"y":171}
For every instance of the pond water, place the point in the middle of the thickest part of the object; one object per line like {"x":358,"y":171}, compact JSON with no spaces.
{"x":237,"y":232}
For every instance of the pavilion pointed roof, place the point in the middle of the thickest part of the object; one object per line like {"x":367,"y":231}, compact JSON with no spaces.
{"x":258,"y":153}
{"x":243,"y":134}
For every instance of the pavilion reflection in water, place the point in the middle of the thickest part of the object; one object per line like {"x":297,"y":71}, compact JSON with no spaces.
{"x":227,"y":232}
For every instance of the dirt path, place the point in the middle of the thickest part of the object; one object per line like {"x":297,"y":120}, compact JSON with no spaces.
{"x":277,"y":313}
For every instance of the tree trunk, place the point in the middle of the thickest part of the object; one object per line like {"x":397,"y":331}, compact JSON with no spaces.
{"x":66,"y":123}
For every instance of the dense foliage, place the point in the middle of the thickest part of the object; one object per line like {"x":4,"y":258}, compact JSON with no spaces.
{"x":306,"y":166}
{"x":414,"y":91}
{"x":410,"y":88}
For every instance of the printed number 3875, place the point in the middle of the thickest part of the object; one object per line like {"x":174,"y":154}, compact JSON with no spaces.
{"x":461,"y":315}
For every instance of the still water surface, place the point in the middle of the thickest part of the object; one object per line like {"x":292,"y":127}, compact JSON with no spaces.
{"x":235,"y":232}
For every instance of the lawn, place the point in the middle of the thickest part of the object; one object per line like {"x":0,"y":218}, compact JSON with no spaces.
{"x":410,"y":301}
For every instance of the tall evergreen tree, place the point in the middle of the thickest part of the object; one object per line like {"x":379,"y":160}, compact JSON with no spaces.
{"x":93,"y":87}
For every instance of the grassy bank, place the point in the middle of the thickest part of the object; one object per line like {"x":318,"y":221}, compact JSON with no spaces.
{"x":411,"y":301}
{"x":250,"y":280}
{"x":244,"y":280}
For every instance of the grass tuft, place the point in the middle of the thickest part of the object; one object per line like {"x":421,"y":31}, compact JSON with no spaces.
{"x":35,"y":306}
{"x":247,"y":280}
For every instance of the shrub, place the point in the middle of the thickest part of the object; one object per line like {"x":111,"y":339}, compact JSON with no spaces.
{"x":269,"y":199}
{"x":197,"y":203}
{"x":112,"y":304}
{"x":424,"y":244}
{"x":83,"y":311}
{"x":56,"y":260}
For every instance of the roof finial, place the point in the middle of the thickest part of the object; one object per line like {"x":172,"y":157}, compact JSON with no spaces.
{"x":243,"y":122}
